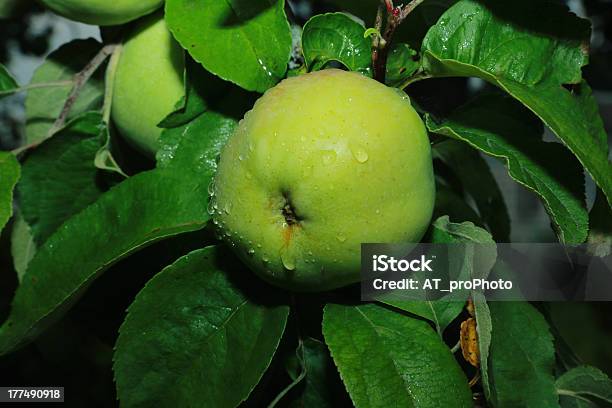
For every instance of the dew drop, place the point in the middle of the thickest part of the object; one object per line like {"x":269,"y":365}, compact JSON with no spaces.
{"x":251,"y":251}
{"x":340,"y":237}
{"x":210,"y":208}
{"x":249,"y":175}
{"x":287,"y":259}
{"x":240,"y":157}
{"x":359,"y":153}
{"x":211,"y":187}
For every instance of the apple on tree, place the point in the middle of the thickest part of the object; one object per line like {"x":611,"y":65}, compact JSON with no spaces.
{"x":322,"y":163}
{"x":103,"y":12}
{"x":148,"y":83}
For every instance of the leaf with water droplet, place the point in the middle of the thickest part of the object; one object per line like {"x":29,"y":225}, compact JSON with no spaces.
{"x":247,"y":43}
{"x":336,"y":37}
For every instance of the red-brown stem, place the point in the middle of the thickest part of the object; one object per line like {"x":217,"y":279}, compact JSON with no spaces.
{"x":395,"y":16}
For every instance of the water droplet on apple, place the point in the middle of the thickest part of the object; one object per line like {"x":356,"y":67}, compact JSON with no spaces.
{"x":211,"y":187}
{"x":251,"y":251}
{"x":359,"y":152}
{"x":258,"y":245}
{"x":249,"y":175}
{"x":340,"y":237}
{"x":212,"y":206}
{"x":240,"y":157}
{"x":377,"y":211}
{"x":287,"y":259}
{"x":227,"y":208}
{"x":265,"y":259}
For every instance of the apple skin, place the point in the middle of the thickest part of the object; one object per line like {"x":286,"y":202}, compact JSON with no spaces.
{"x":103,"y":12}
{"x":322,"y":163}
{"x":148,"y":83}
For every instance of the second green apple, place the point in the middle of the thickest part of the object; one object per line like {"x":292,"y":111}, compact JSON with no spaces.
{"x":148,"y":83}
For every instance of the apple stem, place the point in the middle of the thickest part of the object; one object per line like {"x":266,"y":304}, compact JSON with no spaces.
{"x":380,"y":44}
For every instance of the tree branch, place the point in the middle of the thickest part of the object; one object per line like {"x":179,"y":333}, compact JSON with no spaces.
{"x":395,"y":16}
{"x":80,"y":79}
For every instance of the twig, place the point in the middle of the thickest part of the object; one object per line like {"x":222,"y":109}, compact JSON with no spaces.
{"x":80,"y":79}
{"x":456,"y":347}
{"x":376,"y":38}
{"x":25,"y":88}
{"x":395,"y":17}
{"x":407,"y":9}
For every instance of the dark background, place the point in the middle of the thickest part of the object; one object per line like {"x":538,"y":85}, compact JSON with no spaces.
{"x":77,"y":352}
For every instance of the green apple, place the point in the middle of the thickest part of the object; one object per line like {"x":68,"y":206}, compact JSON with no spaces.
{"x":103,"y":12}
{"x":322,"y":163}
{"x":148,"y":83}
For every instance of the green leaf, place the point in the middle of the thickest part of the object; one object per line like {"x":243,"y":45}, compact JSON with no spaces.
{"x":445,"y":231}
{"x":484,"y":327}
{"x":201,"y":333}
{"x":23,"y":246}
{"x":247,"y":42}
{"x":201,"y":90}
{"x":7,"y":82}
{"x":316,"y":365}
{"x":59,"y":177}
{"x":43,"y":105}
{"x":585,"y":382}
{"x":484,"y":256}
{"x":402,"y":63}
{"x":530,"y":50}
{"x":521,"y":357}
{"x":9,"y":175}
{"x":186,"y":146}
{"x":132,"y":215}
{"x":388,"y":359}
{"x":469,"y":166}
{"x":443,"y":311}
{"x":336,"y":37}
{"x":141,"y":210}
{"x":500,"y":127}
